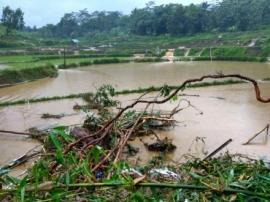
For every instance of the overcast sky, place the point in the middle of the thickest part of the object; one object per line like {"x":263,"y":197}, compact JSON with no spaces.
{"x":42,"y":12}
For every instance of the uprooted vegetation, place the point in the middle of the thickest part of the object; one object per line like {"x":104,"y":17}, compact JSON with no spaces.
{"x":81,"y":163}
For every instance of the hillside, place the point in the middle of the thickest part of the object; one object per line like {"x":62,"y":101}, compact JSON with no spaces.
{"x":124,"y":43}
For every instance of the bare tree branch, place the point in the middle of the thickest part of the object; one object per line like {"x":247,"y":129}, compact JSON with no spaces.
{"x":104,"y":130}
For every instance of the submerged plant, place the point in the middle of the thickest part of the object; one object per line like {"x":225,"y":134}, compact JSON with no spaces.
{"x":102,"y":98}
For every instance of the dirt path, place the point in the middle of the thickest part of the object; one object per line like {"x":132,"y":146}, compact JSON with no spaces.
{"x":187,"y":52}
{"x":200,"y":53}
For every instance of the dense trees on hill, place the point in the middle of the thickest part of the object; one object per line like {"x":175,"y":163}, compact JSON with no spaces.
{"x":12,"y":19}
{"x":79,"y":23}
{"x":227,"y":15}
{"x":173,"y":19}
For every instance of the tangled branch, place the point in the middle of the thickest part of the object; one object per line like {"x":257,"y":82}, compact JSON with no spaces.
{"x":109,"y":124}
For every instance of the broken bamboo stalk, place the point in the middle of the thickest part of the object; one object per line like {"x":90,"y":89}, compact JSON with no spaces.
{"x":254,"y":136}
{"x":218,"y":149}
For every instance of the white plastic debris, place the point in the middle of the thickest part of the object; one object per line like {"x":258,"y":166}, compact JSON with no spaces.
{"x":164,"y":173}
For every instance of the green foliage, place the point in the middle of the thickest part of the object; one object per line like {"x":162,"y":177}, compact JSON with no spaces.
{"x":205,"y":52}
{"x":173,"y":19}
{"x":229,"y":52}
{"x":21,"y":189}
{"x":195,"y":51}
{"x":103,"y":96}
{"x":12,"y":19}
{"x":266,"y":51}
{"x":69,"y":177}
{"x":40,"y":172}
{"x":93,"y":62}
{"x":165,"y":90}
{"x":142,"y":60}
{"x":92,"y":121}
{"x":106,"y":61}
{"x":12,"y":76}
{"x":179,"y":52}
{"x":58,"y":146}
{"x":95,"y":154}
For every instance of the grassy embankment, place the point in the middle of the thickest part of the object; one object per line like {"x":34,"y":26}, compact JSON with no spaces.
{"x":31,"y":67}
{"x":252,"y":54}
{"x":12,"y":76}
{"x":28,"y":68}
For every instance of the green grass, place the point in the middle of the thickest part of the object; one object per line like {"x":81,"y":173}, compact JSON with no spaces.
{"x":30,"y":61}
{"x":205,"y":52}
{"x":232,"y":58}
{"x":18,"y":59}
{"x":179,"y":52}
{"x":194,"y":51}
{"x":128,"y":44}
{"x":131,"y":42}
{"x":13,"y":76}
{"x":229,"y":52}
{"x":61,"y":176}
{"x":266,"y":51}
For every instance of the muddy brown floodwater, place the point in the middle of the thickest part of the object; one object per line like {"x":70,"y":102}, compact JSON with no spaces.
{"x":228,"y":111}
{"x":128,"y":76}
{"x":237,"y":115}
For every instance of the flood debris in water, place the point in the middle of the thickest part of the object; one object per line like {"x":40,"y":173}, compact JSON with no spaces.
{"x":31,"y":154}
{"x":52,"y":116}
{"x":164,"y":174}
{"x":102,"y":98}
{"x":91,"y":156}
{"x":218,"y":149}
{"x":38,"y":134}
{"x":56,"y":116}
{"x":164,"y":145}
{"x":266,"y":130}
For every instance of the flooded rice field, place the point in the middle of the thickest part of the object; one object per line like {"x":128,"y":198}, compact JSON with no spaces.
{"x":128,"y":76}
